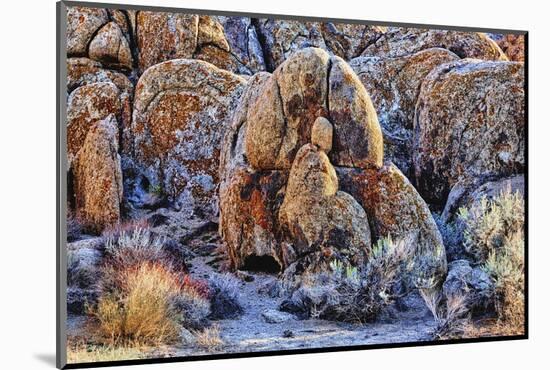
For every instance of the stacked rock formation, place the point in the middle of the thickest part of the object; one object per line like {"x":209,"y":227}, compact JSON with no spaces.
{"x":303,"y":165}
{"x":303,"y":178}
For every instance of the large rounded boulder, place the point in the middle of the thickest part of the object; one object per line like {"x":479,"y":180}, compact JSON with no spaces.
{"x":181,"y":110}
{"x":470,"y":122}
{"x":393,"y":84}
{"x":400,"y":41}
{"x":293,"y":165}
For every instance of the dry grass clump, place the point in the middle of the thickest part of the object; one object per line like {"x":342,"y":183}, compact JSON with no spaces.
{"x":139,"y":311}
{"x":452,"y":317}
{"x":82,"y":353}
{"x":209,"y":338}
{"x":133,"y":243}
{"x":494,"y":236}
{"x":144,"y":298}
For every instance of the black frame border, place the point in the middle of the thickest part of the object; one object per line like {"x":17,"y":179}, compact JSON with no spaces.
{"x":61,"y":189}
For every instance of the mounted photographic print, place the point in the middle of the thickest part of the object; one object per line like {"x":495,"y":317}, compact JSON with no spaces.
{"x":239,"y":184}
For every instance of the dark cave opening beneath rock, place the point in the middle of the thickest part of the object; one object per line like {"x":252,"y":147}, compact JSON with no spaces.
{"x":261,"y":264}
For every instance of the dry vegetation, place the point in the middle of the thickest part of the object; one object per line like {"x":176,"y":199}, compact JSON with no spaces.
{"x":82,"y":353}
{"x":145,"y":299}
{"x":494,"y":240}
{"x":494,"y":236}
{"x":352,"y":294}
{"x":209,"y":338}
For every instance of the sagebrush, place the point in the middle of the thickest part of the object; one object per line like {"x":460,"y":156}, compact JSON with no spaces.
{"x":494,"y":238}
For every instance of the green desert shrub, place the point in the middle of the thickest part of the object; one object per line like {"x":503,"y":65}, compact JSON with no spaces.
{"x":494,"y":237}
{"x":352,"y":294}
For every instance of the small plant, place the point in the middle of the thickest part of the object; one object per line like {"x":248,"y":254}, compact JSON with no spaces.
{"x":489,"y":223}
{"x":451,"y":318}
{"x":352,"y":294}
{"x":192,"y":304}
{"x":132,"y":244}
{"x":156,"y":189}
{"x":209,"y":338}
{"x":346,"y":271}
{"x":225,"y":298}
{"x":494,"y":237}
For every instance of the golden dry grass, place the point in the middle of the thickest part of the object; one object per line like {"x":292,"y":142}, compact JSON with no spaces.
{"x":209,"y":338}
{"x":140,"y":311}
{"x":81,"y":353}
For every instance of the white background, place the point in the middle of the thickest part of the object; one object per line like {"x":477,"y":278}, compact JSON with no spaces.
{"x":27,"y":182}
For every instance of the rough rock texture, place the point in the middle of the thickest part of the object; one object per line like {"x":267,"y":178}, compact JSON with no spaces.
{"x":84,"y":71}
{"x":395,"y":209}
{"x":404,"y":41}
{"x":290,"y":208}
{"x":512,"y":45}
{"x":249,"y":200}
{"x":357,"y":135}
{"x":290,"y":101}
{"x":110,"y":47}
{"x":275,"y":118}
{"x":181,"y":110}
{"x":317,"y":216}
{"x":295,"y":96}
{"x":97,"y":176}
{"x":82,"y":24}
{"x":281,"y":38}
{"x":243,"y":41}
{"x":469,"y":123}
{"x":165,"y":36}
{"x":321,"y":134}
{"x":471,"y":282}
{"x":86,"y":105}
{"x":276,"y":317}
{"x":393,"y":85}
{"x":467,"y":192}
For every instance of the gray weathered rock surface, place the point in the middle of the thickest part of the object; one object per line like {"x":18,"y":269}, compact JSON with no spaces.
{"x":469,"y":123}
{"x":471,"y":282}
{"x":393,"y":84}
{"x":399,"y":41}
{"x":181,"y":110}
{"x":82,"y":24}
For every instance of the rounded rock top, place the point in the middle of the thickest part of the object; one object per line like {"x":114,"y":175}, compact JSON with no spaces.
{"x":321,"y":134}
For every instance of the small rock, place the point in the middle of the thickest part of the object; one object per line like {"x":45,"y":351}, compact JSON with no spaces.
{"x":321,"y":134}
{"x":276,"y":317}
{"x":187,"y":337}
{"x":245,"y":276}
{"x":288,"y":334}
{"x":272,"y":289}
